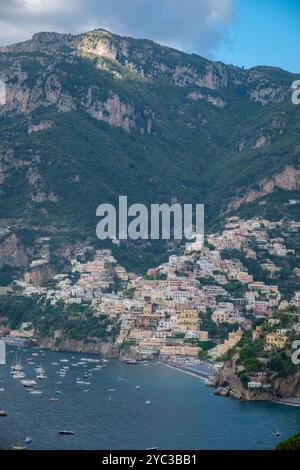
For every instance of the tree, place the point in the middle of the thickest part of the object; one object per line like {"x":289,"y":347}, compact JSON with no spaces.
{"x":292,"y":443}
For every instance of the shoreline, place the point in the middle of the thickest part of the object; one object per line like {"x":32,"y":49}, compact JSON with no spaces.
{"x":293,"y":401}
{"x":194,"y":373}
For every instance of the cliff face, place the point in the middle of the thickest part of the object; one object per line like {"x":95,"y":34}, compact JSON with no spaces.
{"x":88,"y":346}
{"x":227,"y":383}
{"x":93,"y":116}
{"x":12,"y":252}
{"x":288,"y":179}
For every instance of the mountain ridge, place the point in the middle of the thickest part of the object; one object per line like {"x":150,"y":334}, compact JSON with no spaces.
{"x":92,"y":116}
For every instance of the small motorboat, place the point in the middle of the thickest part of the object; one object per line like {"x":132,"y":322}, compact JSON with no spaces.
{"x":138,"y":387}
{"x":52,"y":400}
{"x":35,"y":392}
{"x":148,"y":402}
{"x":66,"y":433}
{"x":3,"y":413}
{"x":28,"y":383}
{"x":28,"y":440}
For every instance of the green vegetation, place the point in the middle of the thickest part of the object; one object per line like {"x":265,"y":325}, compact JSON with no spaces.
{"x":74,"y":321}
{"x":292,"y":443}
{"x":175,"y":147}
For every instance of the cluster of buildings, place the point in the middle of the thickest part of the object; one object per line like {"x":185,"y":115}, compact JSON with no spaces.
{"x":165,"y":311}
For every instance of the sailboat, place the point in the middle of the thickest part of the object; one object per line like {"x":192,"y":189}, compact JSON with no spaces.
{"x":16,"y":367}
{"x":19,"y":446}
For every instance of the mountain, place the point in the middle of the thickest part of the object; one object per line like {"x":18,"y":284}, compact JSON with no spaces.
{"x":95,"y":116}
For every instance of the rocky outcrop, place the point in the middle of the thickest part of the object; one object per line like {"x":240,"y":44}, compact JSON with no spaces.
{"x":227,"y":383}
{"x":12,"y":252}
{"x":268,"y":94}
{"x":113,"y":111}
{"x":288,"y":387}
{"x":88,"y":346}
{"x":39,"y":276}
{"x":214,"y":100}
{"x":288,"y":179}
{"x":42,"y":125}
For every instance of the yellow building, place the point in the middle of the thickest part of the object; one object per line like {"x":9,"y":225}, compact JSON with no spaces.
{"x":203,"y":336}
{"x":274,"y":340}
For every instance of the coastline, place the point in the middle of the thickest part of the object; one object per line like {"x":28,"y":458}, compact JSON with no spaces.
{"x":193,"y":372}
{"x":293,"y":401}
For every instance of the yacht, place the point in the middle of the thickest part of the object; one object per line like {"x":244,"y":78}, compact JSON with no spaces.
{"x":17,"y":365}
{"x":28,"y":383}
{"x":18,"y":375}
{"x":36,"y":392}
{"x":41,"y":376}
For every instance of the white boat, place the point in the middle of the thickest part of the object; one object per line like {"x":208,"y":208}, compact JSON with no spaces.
{"x":28,"y":383}
{"x":36,"y":392}
{"x":18,"y":375}
{"x":17,"y":365}
{"x":91,"y":360}
{"x":41,"y":376}
{"x":54,"y":363}
{"x":64,"y":360}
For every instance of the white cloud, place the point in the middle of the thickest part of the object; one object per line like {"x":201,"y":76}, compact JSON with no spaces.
{"x":193,"y":25}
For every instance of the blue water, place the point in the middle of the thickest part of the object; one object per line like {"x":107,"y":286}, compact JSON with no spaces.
{"x":183,"y":413}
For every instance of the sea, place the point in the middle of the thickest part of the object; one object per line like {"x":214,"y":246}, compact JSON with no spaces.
{"x":112,"y":405}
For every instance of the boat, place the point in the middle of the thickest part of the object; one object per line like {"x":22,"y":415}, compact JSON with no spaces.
{"x":148,"y":402}
{"x":17,"y":366}
{"x":28,"y":440}
{"x":138,"y":387}
{"x":28,"y":383}
{"x":90,"y":360}
{"x":58,"y":392}
{"x":111,"y":389}
{"x":66,"y":433}
{"x":41,"y":376}
{"x":19,"y":447}
{"x":64,"y":360}
{"x":2,"y":389}
{"x":18,"y":375}
{"x":3,"y":413}
{"x":36,"y":392}
{"x":130,"y":360}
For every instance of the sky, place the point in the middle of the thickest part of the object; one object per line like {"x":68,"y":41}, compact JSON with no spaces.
{"x":242,"y":32}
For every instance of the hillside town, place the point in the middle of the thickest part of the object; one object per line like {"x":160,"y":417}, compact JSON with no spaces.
{"x":199,"y":304}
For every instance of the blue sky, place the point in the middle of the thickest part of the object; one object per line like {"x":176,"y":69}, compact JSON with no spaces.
{"x":264,"y":32}
{"x":241,"y":32}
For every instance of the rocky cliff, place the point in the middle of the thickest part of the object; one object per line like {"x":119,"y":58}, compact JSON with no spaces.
{"x":227,"y":383}
{"x":93,"y":116}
